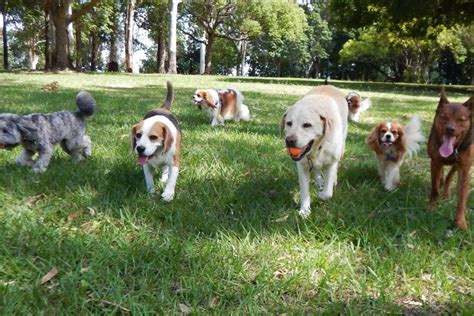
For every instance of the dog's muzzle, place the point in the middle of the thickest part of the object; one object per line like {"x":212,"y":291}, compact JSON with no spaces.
{"x":304,"y":151}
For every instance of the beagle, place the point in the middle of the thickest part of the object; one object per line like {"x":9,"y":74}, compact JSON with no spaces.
{"x":157,"y":140}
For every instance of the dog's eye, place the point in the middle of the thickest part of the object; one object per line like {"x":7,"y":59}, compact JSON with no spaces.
{"x":4,"y":131}
{"x":383,"y":131}
{"x":153,"y":137}
{"x":289,"y":124}
{"x":307,"y":125}
{"x":138,"y":135}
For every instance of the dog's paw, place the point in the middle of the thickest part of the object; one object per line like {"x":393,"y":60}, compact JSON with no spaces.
{"x":38,"y":169}
{"x":167,"y":196}
{"x":322,"y":195}
{"x":24,"y":163}
{"x":305,"y":212}
{"x":390,"y":186}
{"x":461,"y":224}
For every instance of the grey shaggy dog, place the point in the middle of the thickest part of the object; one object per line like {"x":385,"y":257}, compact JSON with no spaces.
{"x":40,"y":132}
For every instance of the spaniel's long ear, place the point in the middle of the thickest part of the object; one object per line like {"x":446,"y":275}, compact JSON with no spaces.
{"x":468,"y":103}
{"x":133,"y":139}
{"x":373,"y":140}
{"x":443,"y":98}
{"x":168,"y":138}
{"x":282,"y":123}
{"x":209,"y":100}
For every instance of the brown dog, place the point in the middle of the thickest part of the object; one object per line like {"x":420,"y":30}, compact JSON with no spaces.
{"x":451,"y":143}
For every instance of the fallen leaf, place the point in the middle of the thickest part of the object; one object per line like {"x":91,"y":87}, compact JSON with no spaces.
{"x":9,"y":283}
{"x":84,"y":269}
{"x":281,"y":219}
{"x":123,"y":136}
{"x":184,"y":309}
{"x":109,"y":303}
{"x":213,"y":302}
{"x":48,"y":276}
{"x":278,"y":274}
{"x":426,"y":277}
{"x":32,"y":200}
{"x":73,"y":215}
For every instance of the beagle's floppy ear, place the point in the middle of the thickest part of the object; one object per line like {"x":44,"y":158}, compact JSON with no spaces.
{"x":373,"y":140}
{"x":282,"y":123}
{"x":133,"y":141}
{"x":167,"y":138}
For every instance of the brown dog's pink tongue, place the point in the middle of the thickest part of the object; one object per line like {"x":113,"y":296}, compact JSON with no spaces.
{"x":141,"y":160}
{"x":447,"y":148}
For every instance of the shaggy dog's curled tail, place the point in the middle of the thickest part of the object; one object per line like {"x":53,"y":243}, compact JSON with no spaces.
{"x":413,"y":136}
{"x":85,"y":103}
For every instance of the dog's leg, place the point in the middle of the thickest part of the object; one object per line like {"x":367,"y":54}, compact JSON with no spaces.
{"x":148,"y":171}
{"x":41,"y":164}
{"x":319,"y":179}
{"x":168,"y":194}
{"x":330,"y":175}
{"x":392,"y":176}
{"x":304,"y":180}
{"x":463,"y":187}
{"x":447,"y":182}
{"x":164,"y":174}
{"x":26,"y":158}
{"x":87,"y":150}
{"x":436,"y":175}
{"x":356,"y":116}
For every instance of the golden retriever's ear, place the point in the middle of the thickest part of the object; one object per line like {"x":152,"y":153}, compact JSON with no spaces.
{"x":168,"y":138}
{"x":373,"y":140}
{"x":328,"y":132}
{"x":282,"y":123}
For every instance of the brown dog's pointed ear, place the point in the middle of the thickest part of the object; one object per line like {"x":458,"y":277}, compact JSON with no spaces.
{"x":167,"y":138}
{"x":469,"y":103}
{"x":443,"y":98}
{"x":282,"y":123}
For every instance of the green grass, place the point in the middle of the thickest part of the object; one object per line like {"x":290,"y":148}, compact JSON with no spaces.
{"x":231,"y":241}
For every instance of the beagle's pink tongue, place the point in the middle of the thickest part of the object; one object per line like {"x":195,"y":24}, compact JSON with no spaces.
{"x":141,"y":160}
{"x":447,"y":148}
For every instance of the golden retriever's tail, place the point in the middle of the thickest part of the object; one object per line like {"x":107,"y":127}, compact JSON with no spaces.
{"x":413,"y":136}
{"x":169,"y":96}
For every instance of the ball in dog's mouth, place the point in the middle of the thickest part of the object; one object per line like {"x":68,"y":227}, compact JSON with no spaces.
{"x":142,"y":159}
{"x":298,"y":153}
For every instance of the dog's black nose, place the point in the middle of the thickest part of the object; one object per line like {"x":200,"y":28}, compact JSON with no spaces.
{"x":140,"y":149}
{"x":290,"y":141}
{"x":450,"y":129}
{"x":388,"y":136}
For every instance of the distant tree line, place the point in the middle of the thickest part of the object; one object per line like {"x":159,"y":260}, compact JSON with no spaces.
{"x":377,"y":40}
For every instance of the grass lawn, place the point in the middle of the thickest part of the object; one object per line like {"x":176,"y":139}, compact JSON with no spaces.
{"x":231,"y":241}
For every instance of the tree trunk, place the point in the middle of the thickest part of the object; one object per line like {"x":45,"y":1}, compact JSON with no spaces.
{"x":160,"y":54}
{"x":202,"y":58}
{"x":113,"y":51}
{"x":129,"y":23}
{"x":59,"y":19}
{"x":4,"y":34}
{"x":47,"y":41}
{"x":172,"y":69}
{"x":94,"y":45}
{"x":78,"y":48}
{"x":208,"y":59}
{"x":70,"y":34}
{"x":243,"y":53}
{"x":32,"y":57}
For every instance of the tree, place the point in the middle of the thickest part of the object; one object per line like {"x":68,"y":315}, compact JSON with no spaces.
{"x":3,"y":10}
{"x":173,"y":20}
{"x":129,"y":23}
{"x":62,"y":16}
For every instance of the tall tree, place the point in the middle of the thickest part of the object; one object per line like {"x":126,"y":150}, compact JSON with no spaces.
{"x":4,"y":33}
{"x":172,"y":45}
{"x":62,"y":17}
{"x":129,"y":25}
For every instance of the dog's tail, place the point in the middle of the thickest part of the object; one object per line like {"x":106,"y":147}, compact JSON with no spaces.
{"x":365,"y":105}
{"x":85,"y":103}
{"x":169,"y":96}
{"x":413,"y":136}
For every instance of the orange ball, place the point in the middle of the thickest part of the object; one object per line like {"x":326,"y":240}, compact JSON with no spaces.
{"x":294,"y":151}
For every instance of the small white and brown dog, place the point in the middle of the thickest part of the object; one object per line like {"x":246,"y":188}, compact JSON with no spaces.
{"x":157,"y":140}
{"x":222,"y":105}
{"x":391,"y":142}
{"x":356,"y":105}
{"x":315,"y":130}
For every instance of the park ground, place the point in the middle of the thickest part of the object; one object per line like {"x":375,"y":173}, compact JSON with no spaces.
{"x":231,"y":241}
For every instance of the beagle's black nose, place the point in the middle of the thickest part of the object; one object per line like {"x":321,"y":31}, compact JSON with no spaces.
{"x":140,"y":149}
